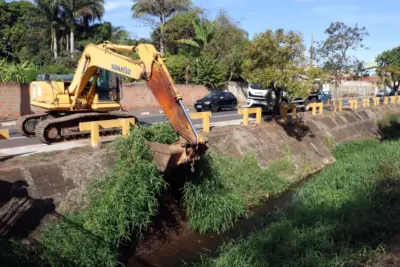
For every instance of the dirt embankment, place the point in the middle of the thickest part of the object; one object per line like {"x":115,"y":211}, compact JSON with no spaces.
{"x":53,"y":183}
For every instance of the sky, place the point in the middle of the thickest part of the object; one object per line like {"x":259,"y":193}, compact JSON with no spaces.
{"x":380,"y":17}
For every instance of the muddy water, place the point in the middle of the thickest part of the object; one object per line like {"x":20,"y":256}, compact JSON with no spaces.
{"x":190,"y":245}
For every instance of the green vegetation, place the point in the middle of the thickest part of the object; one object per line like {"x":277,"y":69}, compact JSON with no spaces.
{"x":121,"y":205}
{"x":224,"y":187}
{"x":390,"y":127}
{"x":335,"y":49}
{"x":341,"y":217}
{"x":19,"y":73}
{"x":389,"y":68}
{"x":204,"y":50}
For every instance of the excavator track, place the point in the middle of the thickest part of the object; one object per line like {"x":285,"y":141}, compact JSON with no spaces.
{"x":26,"y":124}
{"x":67,"y":127}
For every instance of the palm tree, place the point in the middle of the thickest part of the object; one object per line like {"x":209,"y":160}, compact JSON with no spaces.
{"x":51,"y":12}
{"x":82,"y":12}
{"x":161,"y":10}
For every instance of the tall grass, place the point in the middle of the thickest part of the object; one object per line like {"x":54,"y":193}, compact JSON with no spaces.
{"x":121,"y":206}
{"x":224,"y":186}
{"x":341,"y":217}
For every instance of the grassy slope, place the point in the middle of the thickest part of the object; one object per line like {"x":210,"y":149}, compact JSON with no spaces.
{"x":223,"y":187}
{"x":121,"y":206}
{"x":340,"y":218}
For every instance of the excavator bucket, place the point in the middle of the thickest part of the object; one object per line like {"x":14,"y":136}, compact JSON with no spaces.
{"x":170,"y":156}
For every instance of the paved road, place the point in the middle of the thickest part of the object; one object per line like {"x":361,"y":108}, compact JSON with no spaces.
{"x":17,"y":140}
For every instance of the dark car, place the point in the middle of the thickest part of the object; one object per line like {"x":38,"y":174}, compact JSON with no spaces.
{"x":216,"y":101}
{"x":382,"y":93}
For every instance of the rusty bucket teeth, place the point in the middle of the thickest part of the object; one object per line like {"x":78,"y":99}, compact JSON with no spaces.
{"x":169,"y":156}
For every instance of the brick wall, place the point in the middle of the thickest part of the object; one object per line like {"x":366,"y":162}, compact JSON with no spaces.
{"x":138,"y":96}
{"x":14,"y":98}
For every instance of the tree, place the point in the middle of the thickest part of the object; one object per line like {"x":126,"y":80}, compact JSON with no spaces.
{"x":179,"y":26}
{"x":24,"y":32}
{"x":334,"y":51}
{"x":50,"y":9}
{"x":275,"y":60}
{"x":228,"y":45}
{"x":207,"y":71}
{"x":157,"y":12}
{"x":83,"y":12}
{"x":389,"y":68}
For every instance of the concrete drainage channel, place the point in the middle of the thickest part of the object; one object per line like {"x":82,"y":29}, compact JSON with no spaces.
{"x":58,"y":176}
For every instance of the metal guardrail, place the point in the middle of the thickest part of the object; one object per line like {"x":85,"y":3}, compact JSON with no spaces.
{"x":4,"y":134}
{"x":205,"y":116}
{"x":247,"y":111}
{"x":95,"y":126}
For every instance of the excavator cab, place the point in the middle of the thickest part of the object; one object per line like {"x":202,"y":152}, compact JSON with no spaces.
{"x":108,"y":86}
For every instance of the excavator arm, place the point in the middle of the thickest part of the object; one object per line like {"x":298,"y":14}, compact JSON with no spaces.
{"x":151,"y":67}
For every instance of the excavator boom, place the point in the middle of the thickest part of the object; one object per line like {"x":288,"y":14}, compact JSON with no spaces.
{"x":92,"y":94}
{"x":151,"y":67}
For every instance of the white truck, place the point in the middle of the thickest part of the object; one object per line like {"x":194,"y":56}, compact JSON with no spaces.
{"x":265,"y":98}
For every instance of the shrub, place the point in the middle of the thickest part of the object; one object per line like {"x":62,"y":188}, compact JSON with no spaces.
{"x":177,"y":68}
{"x":56,"y":69}
{"x":17,"y":73}
{"x":208,"y":71}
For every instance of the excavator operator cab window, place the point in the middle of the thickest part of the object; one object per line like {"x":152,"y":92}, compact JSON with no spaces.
{"x":107,"y":86}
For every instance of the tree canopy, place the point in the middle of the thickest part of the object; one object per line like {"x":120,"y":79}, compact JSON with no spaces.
{"x":276,"y":60}
{"x":334,"y":50}
{"x":157,"y":12}
{"x":389,"y":68}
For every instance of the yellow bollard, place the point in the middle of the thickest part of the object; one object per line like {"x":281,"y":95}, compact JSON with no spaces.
{"x":284,"y":109}
{"x":246,"y":111}
{"x":385,"y":100}
{"x":294,"y":110}
{"x":376,"y":101}
{"x":246,"y":117}
{"x":365,"y":102}
{"x":205,"y":116}
{"x":314,"y":107}
{"x":4,"y":134}
{"x":125,"y":127}
{"x":392,"y":100}
{"x":398,"y":99}
{"x":95,"y":135}
{"x":258,"y":115}
{"x":353,"y":104}
{"x":340,"y":105}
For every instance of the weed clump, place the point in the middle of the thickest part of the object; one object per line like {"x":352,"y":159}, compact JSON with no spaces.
{"x":390,"y":127}
{"x":224,"y":186}
{"x":341,"y":217}
{"x":121,"y":206}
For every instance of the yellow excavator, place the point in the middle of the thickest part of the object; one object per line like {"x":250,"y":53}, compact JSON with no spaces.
{"x":95,"y":93}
